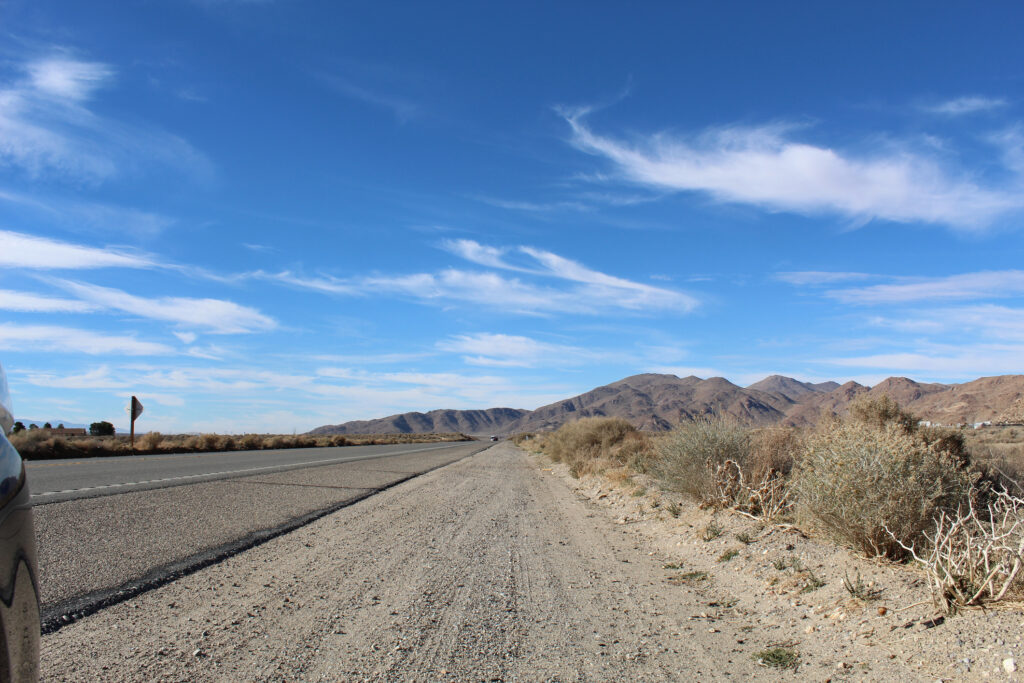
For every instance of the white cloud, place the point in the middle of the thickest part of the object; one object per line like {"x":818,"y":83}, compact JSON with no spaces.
{"x":474,"y":252}
{"x":214,"y":315}
{"x":986,"y":321}
{"x":186,"y":337}
{"x":68,"y":339}
{"x":68,"y":78}
{"x":47,"y":128}
{"x":11,"y":300}
{"x":18,"y":250}
{"x":818,"y":277}
{"x":98,"y":378}
{"x":506,"y":351}
{"x":981,"y":285}
{"x":763,"y":167}
{"x":942,"y":361}
{"x":967,"y":105}
{"x":592,"y":292}
{"x":92,"y":216}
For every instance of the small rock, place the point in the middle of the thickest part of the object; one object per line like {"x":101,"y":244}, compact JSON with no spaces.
{"x":882,"y":611}
{"x":198,"y":653}
{"x":1009,"y":665}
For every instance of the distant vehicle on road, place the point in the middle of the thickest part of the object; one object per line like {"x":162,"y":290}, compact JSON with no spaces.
{"x":19,"y":592}
{"x":494,"y":438}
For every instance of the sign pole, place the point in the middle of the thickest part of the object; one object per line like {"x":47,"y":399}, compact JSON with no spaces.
{"x":134,"y":410}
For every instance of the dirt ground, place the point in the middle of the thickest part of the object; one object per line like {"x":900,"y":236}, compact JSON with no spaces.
{"x":493,"y":568}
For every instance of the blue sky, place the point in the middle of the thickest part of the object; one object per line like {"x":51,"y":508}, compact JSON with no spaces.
{"x":268,"y":216}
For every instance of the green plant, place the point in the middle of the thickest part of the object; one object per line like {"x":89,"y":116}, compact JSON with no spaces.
{"x":103,"y":428}
{"x":711,"y":531}
{"x":673,"y":565}
{"x":744,"y":538}
{"x":673,"y":509}
{"x":812,"y":583}
{"x":778,"y":658}
{"x":858,"y":589}
{"x":728,"y":555}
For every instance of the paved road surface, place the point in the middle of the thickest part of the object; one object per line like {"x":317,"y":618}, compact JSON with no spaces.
{"x":53,"y":481}
{"x":94,"y":550}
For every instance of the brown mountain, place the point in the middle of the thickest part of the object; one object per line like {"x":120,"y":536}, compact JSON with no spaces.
{"x":656,"y":402}
{"x":465,"y":421}
{"x":792,"y":389}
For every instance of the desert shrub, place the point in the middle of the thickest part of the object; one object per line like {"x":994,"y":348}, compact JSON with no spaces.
{"x":150,"y":441}
{"x":880,"y":412}
{"x":250,"y":442}
{"x":773,"y":451}
{"x":587,"y":444}
{"x":975,"y":553}
{"x":876,"y":485}
{"x":702,"y":458}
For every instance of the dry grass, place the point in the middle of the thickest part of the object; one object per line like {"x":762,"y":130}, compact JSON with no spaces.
{"x":39,"y":444}
{"x":719,"y":463}
{"x":596,"y":444}
{"x":975,"y":553}
{"x":876,"y":486}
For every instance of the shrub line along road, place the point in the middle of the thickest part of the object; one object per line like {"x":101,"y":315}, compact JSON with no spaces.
{"x":112,"y":528}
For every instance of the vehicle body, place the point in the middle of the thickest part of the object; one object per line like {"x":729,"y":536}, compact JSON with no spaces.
{"x":494,"y":438}
{"x":19,"y":592}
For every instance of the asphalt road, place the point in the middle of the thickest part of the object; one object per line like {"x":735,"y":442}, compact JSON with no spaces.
{"x":108,"y":544}
{"x":52,"y":481}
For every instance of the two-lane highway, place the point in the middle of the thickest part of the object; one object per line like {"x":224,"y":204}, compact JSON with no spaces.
{"x":53,"y":481}
{"x":109,"y":528}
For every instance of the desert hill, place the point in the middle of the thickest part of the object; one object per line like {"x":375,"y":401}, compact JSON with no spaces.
{"x":656,"y":402}
{"x":465,"y":421}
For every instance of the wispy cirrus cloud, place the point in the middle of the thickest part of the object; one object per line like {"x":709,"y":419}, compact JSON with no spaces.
{"x":513,"y":351}
{"x":215,"y":316}
{"x":48,"y":129}
{"x":589,"y":291}
{"x":91,"y":216}
{"x":765,"y":166}
{"x":971,"y":104}
{"x":28,"y":302}
{"x":14,"y":337}
{"x":818,"y":277}
{"x":984,"y":321}
{"x":980,"y":285}
{"x":942,"y":360}
{"x":19,"y":250}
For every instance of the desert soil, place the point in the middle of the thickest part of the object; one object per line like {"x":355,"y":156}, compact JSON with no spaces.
{"x":493,"y":568}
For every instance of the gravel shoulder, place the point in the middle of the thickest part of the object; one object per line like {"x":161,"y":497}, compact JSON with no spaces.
{"x":490,"y":568}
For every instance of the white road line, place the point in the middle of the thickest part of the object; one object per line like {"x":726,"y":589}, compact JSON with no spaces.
{"x":217,"y":474}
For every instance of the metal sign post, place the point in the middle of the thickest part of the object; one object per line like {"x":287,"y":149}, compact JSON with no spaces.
{"x":134,"y":409}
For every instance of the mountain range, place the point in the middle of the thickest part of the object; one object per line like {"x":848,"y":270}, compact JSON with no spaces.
{"x":656,"y":402}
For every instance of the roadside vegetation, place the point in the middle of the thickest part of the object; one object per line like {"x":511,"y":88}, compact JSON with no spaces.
{"x":40,"y":444}
{"x":875,"y":480}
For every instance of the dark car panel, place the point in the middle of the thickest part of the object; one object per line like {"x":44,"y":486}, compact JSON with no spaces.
{"x":19,"y":590}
